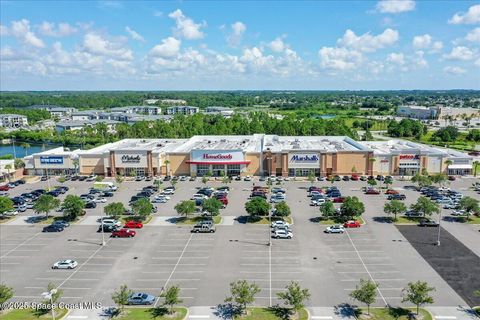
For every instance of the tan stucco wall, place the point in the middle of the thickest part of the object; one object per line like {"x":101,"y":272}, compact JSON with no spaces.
{"x":254,"y":167}
{"x":347,"y":160}
{"x":91,"y":164}
{"x":178,"y":164}
{"x":326,"y":162}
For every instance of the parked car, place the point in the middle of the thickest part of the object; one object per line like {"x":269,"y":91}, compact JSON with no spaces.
{"x":203,"y":228}
{"x":192,"y":179}
{"x":108,"y":228}
{"x":352,"y":224}
{"x":5,"y":187}
{"x":317,"y":202}
{"x":247,"y":178}
{"x":123,"y":233}
{"x":10,"y":213}
{"x":428,"y":223}
{"x":451,"y":178}
{"x":396,"y":197}
{"x":338,"y":199}
{"x":141,"y":299}
{"x":90,"y":205}
{"x":391,"y":191}
{"x":53,"y":228}
{"x":65,"y":264}
{"x":279,"y":223}
{"x":91,"y":178}
{"x":354,"y":177}
{"x":133,"y":224}
{"x":335,"y":229}
{"x":61,"y":223}
{"x":107,"y":194}
{"x":372,"y":191}
{"x":346,"y":178}
{"x":44,"y":178}
{"x":282,"y":234}
{"x":100,"y":200}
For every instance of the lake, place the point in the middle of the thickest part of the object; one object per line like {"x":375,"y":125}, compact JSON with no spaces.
{"x":22,"y":152}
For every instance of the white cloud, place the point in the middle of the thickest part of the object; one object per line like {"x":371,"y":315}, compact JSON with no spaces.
{"x":339,"y":58}
{"x":396,"y":58}
{"x":395,"y":6}
{"x":49,"y":29}
{"x":3,"y":31}
{"x":21,"y":30}
{"x":454,"y":70}
{"x":426,"y":42}
{"x":96,"y":44}
{"x":186,"y":27}
{"x":368,"y":43}
{"x":169,"y":48}
{"x":460,"y":53}
{"x":277,"y":45}
{"x":235,"y":37}
{"x":134,"y":35}
{"x":472,"y":16}
{"x":473,"y":36}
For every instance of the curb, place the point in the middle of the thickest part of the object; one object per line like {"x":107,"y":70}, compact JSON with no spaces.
{"x":66,"y":314}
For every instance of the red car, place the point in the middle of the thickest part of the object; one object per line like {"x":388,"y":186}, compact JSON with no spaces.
{"x":391,"y":191}
{"x":133,"y":224}
{"x":354,"y":178}
{"x":123,"y":233}
{"x":339,"y":199}
{"x":352,"y":224}
{"x":372,"y":191}
{"x":224,"y":201}
{"x":451,"y":178}
{"x":4,"y":188}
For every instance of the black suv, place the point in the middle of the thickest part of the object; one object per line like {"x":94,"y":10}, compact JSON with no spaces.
{"x":427,"y":223}
{"x":90,"y":205}
{"x":107,"y":228}
{"x":53,"y":228}
{"x":396,"y":197}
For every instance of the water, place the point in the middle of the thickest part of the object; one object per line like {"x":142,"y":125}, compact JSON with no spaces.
{"x":328,"y":116}
{"x":22,"y":152}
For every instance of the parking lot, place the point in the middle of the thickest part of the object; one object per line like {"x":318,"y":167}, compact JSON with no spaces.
{"x":164,"y":254}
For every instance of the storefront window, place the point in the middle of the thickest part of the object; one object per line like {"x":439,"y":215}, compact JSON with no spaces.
{"x":233,"y":170}
{"x":202,"y":169}
{"x":218,"y":170}
{"x":303,"y":172}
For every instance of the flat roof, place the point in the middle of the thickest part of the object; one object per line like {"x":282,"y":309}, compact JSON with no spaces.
{"x":81,"y":123}
{"x":12,"y":115}
{"x":154,"y":145}
{"x":251,"y":143}
{"x":312,"y":143}
{"x":397,"y":146}
{"x":60,"y":151}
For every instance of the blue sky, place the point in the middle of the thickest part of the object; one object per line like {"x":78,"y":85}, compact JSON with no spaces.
{"x":224,"y":45}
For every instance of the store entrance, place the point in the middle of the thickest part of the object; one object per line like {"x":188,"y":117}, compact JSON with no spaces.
{"x":218,"y":170}
{"x":133,"y":172}
{"x":408,"y":171}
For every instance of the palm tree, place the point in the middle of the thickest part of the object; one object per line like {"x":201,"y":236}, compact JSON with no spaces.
{"x":25,"y":146}
{"x":8,"y":167}
{"x":475,"y":165}
{"x":167,"y":167}
{"x":448,"y":163}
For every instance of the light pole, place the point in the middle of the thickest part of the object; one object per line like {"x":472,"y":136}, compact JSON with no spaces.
{"x":269,"y":213}
{"x":49,"y":295}
{"x":439,"y":228}
{"x":103,"y":233}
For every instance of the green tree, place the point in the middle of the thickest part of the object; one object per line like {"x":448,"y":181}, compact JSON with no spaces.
{"x":425,"y":206}
{"x":212,"y":205}
{"x":172,"y":297}
{"x":372,"y":182}
{"x":72,"y":207}
{"x":422,"y":180}
{"x":352,"y":207}
{"x":328,"y":210}
{"x":114,"y":209}
{"x":158,"y":183}
{"x":257,"y":207}
{"x":142,"y":207}
{"x":311,"y":177}
{"x":173,"y":183}
{"x":226,"y":179}
{"x":119,"y":178}
{"x":120,"y":296}
{"x":242,"y":293}
{"x":5,"y":205}
{"x":294,"y":296}
{"x":469,"y":204}
{"x":185,"y":208}
{"x":55,"y":296}
{"x":18,"y":164}
{"x":46,"y":203}
{"x":418,"y":293}
{"x":388,"y":181}
{"x":476,"y":164}
{"x":394,"y":207}
{"x":282,"y":209}
{"x":6,"y":293}
{"x":439,"y":178}
{"x":366,"y":293}
{"x":8,"y":167}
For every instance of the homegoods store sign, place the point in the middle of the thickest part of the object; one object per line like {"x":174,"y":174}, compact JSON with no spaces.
{"x":217,"y":155}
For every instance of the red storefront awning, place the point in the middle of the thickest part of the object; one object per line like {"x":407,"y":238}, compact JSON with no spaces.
{"x":219,"y":162}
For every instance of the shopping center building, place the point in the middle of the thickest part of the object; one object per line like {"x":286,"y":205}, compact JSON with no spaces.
{"x":253,"y":155}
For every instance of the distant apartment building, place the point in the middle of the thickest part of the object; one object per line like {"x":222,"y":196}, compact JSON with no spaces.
{"x":148,"y":110}
{"x":80,"y":124}
{"x":174,"y":102}
{"x":224,"y":111}
{"x":13,"y":121}
{"x":186,"y":110}
{"x":85,"y":115}
{"x":55,"y":111}
{"x":151,"y":101}
{"x":417,"y":112}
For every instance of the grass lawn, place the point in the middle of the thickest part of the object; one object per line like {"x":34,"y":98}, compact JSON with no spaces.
{"x":152,"y":313}
{"x":269,"y":314}
{"x":29,"y":314}
{"x":195,"y":220}
{"x":391,"y":314}
{"x":477,"y":310}
{"x":264,"y":220}
{"x":407,"y":220}
{"x":332,"y":221}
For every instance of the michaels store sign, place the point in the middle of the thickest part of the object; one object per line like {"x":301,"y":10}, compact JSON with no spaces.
{"x":303,"y":160}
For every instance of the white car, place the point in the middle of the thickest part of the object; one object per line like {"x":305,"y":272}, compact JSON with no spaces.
{"x":279,"y":223}
{"x":91,"y":178}
{"x":282,"y":234}
{"x":317,"y":202}
{"x":247,"y":178}
{"x":183,"y":178}
{"x":65,"y":264}
{"x":22,"y":207}
{"x":162,"y":197}
{"x":30,"y":205}
{"x":4,"y":193}
{"x":11,"y":213}
{"x":112,"y":188}
{"x":335,"y":229}
{"x":111,"y":222}
{"x":100,"y":200}
{"x":459,"y":213}
{"x":199,"y":196}
{"x":160,"y":200}
{"x":168,"y":192}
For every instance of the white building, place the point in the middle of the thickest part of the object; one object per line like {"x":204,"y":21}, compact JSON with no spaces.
{"x":13,"y":121}
{"x":186,"y":110}
{"x":55,"y":111}
{"x":174,"y":102}
{"x":417,"y":112}
{"x":58,"y":161}
{"x":80,"y":124}
{"x":147,"y":110}
{"x":223,"y":111}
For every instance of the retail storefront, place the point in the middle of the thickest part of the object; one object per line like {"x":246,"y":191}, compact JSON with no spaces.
{"x":408,"y":164}
{"x":130,"y":163}
{"x":303,"y":164}
{"x":54,"y":162}
{"x":218,"y":163}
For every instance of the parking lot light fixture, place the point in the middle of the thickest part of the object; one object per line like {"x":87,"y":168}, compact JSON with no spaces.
{"x":49,"y":295}
{"x":439,"y":228}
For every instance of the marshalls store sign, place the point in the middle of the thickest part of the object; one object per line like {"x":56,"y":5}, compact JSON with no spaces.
{"x":303,"y":160}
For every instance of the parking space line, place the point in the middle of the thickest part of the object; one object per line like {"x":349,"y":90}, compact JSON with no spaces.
{"x":176,"y":265}
{"x":363,"y":263}
{"x":153,"y":272}
{"x":367,"y":271}
{"x":173,"y":264}
{"x":202,"y":257}
{"x":33,"y":297}
{"x":13,"y":257}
